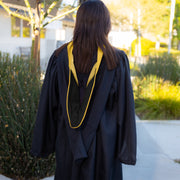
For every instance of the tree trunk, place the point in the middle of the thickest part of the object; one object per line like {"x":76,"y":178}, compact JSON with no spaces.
{"x":35,"y":53}
{"x":36,"y":48}
{"x":36,"y":39}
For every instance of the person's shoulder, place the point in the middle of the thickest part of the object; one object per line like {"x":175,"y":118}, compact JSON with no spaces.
{"x":61,"y":50}
{"x":121,"y":56}
{"x":119,"y":53}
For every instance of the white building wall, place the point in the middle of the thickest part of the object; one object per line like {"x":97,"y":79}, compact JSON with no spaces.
{"x":69,"y":33}
{"x":5,"y":24}
{"x":48,"y":45}
{"x":122,"y":39}
{"x":8,"y":43}
{"x":12,"y":45}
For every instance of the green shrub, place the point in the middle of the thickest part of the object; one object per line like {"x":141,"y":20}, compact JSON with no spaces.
{"x":156,"y":98}
{"x":177,"y":161}
{"x":163,"y":45}
{"x":165,"y":66}
{"x":161,"y":51}
{"x":146,"y":45}
{"x":19,"y":96}
{"x":134,"y":68}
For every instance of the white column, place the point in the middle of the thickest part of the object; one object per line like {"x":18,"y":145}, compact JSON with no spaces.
{"x":139,"y":33}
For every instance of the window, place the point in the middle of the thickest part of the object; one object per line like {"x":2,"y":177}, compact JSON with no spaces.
{"x":20,"y":27}
{"x":26,"y":29}
{"x":15,"y":27}
{"x":42,"y":33}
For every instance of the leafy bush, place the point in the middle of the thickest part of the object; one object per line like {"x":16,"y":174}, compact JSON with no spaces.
{"x":146,"y":45}
{"x":156,"y":98}
{"x":162,"y":50}
{"x":177,"y":161}
{"x":19,"y":96}
{"x":163,"y":45}
{"x":134,"y":68}
{"x":165,"y":66}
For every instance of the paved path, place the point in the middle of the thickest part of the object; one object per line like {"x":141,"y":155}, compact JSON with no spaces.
{"x":3,"y":178}
{"x":158,"y":144}
{"x":153,"y":162}
{"x":166,"y":134}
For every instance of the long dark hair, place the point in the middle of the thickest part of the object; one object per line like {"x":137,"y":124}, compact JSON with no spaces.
{"x":91,"y":31}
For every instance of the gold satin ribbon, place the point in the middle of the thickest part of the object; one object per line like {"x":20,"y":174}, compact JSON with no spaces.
{"x":72,"y":67}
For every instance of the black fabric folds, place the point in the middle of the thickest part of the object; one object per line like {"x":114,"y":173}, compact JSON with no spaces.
{"x":107,"y":137}
{"x":126,"y":124}
{"x":44,"y":135}
{"x":76,"y":108}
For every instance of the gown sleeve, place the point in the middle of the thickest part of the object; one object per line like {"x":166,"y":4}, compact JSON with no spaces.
{"x":44,"y":135}
{"x":127,"y":140}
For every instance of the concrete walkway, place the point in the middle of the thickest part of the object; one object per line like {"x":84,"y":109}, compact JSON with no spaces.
{"x":158,"y":144}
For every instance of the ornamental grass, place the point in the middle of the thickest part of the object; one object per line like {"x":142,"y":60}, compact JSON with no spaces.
{"x":156,"y":98}
{"x":20,"y":88}
{"x":165,"y":66}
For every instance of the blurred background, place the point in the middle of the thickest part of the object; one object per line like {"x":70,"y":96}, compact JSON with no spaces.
{"x":147,"y":30}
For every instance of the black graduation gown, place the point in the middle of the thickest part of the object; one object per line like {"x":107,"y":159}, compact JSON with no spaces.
{"x":107,"y":136}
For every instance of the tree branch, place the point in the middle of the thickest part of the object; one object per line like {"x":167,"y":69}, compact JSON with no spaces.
{"x":59,"y":16}
{"x":29,"y":11}
{"x":13,"y":13}
{"x":49,"y":9}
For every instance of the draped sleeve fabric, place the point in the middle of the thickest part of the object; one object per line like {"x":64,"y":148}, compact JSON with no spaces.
{"x":44,"y":135}
{"x":127,"y":140}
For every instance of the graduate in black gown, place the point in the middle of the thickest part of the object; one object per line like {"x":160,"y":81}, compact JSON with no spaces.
{"x":86,"y":109}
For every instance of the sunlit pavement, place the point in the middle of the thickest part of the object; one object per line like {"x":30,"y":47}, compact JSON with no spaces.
{"x":158,"y":144}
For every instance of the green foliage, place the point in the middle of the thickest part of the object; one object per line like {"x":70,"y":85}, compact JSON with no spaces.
{"x":134,"y":68}
{"x":146,"y":45}
{"x":176,"y":26}
{"x":19,"y":96}
{"x":177,"y":161}
{"x":156,"y":98}
{"x":154,"y":15}
{"x":157,"y":88}
{"x":165,"y":66}
{"x":176,"y":22}
{"x":163,"y":45}
{"x":162,"y":51}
